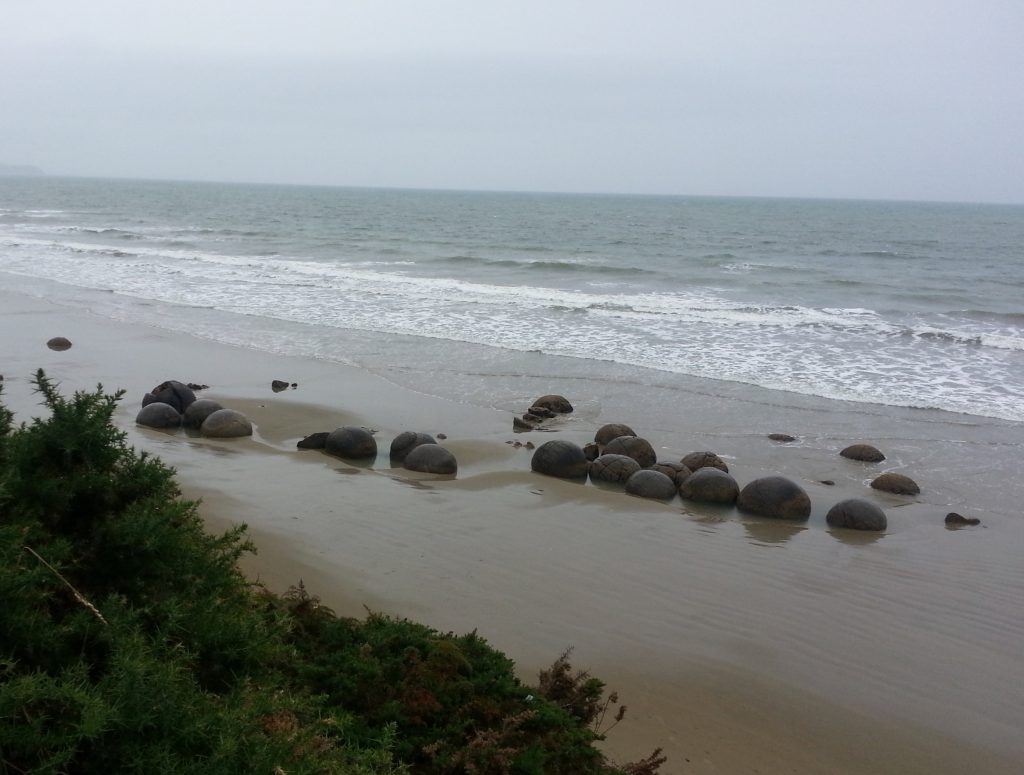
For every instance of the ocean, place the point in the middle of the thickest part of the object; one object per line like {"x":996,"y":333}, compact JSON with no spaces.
{"x":885,"y":303}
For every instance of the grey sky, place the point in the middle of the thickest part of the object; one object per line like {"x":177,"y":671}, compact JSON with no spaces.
{"x":895,"y":99}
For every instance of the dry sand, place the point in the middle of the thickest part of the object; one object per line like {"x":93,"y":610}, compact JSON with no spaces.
{"x":739,"y":645}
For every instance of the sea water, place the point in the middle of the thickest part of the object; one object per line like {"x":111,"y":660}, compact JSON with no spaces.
{"x":880,"y":303}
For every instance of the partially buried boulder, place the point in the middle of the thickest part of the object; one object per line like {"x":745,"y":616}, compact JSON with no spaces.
{"x":198,"y":411}
{"x":677,"y":472}
{"x":635,"y":447}
{"x":783,"y":438}
{"x":704,"y":459}
{"x":59,"y":343}
{"x":863,"y":452}
{"x":406,"y":441}
{"x":171,"y":392}
{"x":226,"y":424}
{"x":351,"y":442}
{"x":612,"y":431}
{"x":954,"y":520}
{"x":710,"y":485}
{"x":560,"y":458}
{"x":431,"y":459}
{"x":651,"y":484}
{"x":896,"y":483}
{"x":856,"y":514}
{"x":776,"y":497}
{"x":554,"y":403}
{"x":613,"y":468}
{"x":158,"y":415}
{"x":316,"y":440}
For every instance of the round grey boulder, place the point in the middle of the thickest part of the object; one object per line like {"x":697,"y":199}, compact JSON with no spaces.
{"x":704,"y":459}
{"x":677,"y":472}
{"x":351,"y":442}
{"x":863,"y":452}
{"x":406,"y":441}
{"x":612,"y":431}
{"x":59,"y":343}
{"x":896,"y":483}
{"x":560,"y":458}
{"x":633,"y":446}
{"x":613,"y":468}
{"x":554,"y":403}
{"x":158,"y":415}
{"x":856,"y":514}
{"x":710,"y":485}
{"x":226,"y":424}
{"x":431,"y":458}
{"x":776,"y":497}
{"x":198,"y":411}
{"x":649,"y":483}
{"x":177,"y":394}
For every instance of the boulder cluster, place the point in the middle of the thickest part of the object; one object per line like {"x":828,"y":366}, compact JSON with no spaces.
{"x":619,"y":457}
{"x":412,"y":450}
{"x":543,"y":409}
{"x":173,"y":404}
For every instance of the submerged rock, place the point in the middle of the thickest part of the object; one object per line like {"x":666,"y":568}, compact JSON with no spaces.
{"x":652,"y":484}
{"x":560,"y":458}
{"x":226,"y":424}
{"x":710,"y":485}
{"x":776,"y":497}
{"x":954,"y":520}
{"x":59,"y":343}
{"x":896,"y":483}
{"x":863,"y":452}
{"x":783,"y":438}
{"x":554,"y":403}
{"x":314,"y":441}
{"x":857,"y":514}
{"x":704,"y":459}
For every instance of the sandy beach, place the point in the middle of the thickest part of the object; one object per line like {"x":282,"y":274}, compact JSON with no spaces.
{"x":739,"y":645}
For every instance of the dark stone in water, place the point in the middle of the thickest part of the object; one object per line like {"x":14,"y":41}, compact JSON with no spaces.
{"x":554,"y":403}
{"x":776,"y":497}
{"x":351,"y":442}
{"x":592,"y":451}
{"x":540,"y":411}
{"x":278,"y":385}
{"x":704,"y":459}
{"x":560,"y":458}
{"x":896,"y":483}
{"x":959,"y":520}
{"x":197,"y":412}
{"x":195,"y":386}
{"x":519,"y":425}
{"x":827,"y":482}
{"x":785,"y":438}
{"x":314,"y":441}
{"x":613,"y":468}
{"x":632,"y":446}
{"x":607,"y":433}
{"x":710,"y":485}
{"x":863,"y":452}
{"x":59,"y":343}
{"x":171,"y":392}
{"x":651,"y":484}
{"x":431,"y":459}
{"x":406,"y":441}
{"x":677,"y":472}
{"x":158,"y":415}
{"x":857,"y":514}
{"x":226,"y":424}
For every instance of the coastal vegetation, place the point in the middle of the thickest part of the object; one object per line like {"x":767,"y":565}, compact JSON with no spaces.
{"x":131,"y":642}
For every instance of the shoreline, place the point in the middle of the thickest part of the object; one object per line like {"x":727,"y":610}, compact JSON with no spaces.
{"x":723,"y":614}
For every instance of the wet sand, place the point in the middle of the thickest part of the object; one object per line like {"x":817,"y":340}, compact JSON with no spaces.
{"x":739,"y":645}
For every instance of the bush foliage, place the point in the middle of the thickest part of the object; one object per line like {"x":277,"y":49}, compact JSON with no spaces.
{"x":131,"y":642}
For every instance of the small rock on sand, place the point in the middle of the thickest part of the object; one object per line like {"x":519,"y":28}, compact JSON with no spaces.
{"x":959,"y":520}
{"x":863,"y":452}
{"x":59,"y":343}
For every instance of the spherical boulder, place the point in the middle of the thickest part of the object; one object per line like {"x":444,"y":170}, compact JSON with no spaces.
{"x":158,"y":415}
{"x":198,"y":411}
{"x":177,"y":394}
{"x":560,"y":458}
{"x":710,"y":485}
{"x":554,"y":403}
{"x":430,"y":458}
{"x":406,"y":441}
{"x":677,"y":472}
{"x":863,"y":452}
{"x":704,"y":459}
{"x":649,"y":483}
{"x":896,"y":483}
{"x":59,"y":343}
{"x":613,"y":468}
{"x":632,"y":446}
{"x":776,"y":497}
{"x":856,"y":514}
{"x":612,"y":431}
{"x":226,"y":424}
{"x":351,"y":442}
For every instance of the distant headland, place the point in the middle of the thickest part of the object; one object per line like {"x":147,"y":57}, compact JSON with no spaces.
{"x":20,"y":171}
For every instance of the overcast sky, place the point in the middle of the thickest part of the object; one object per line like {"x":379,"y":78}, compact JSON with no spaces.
{"x":905,"y":99}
